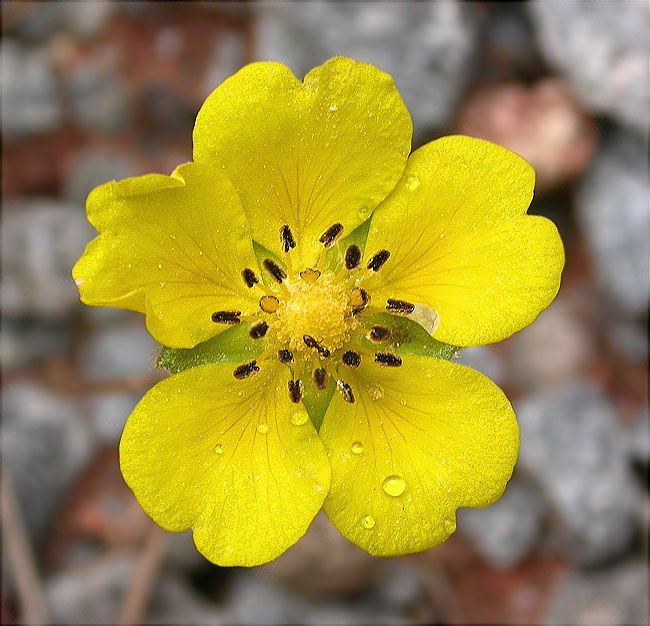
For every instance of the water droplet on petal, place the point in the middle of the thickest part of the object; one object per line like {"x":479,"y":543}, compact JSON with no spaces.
{"x":263,"y":428}
{"x":356,"y":447}
{"x":376,"y":392}
{"x":299,"y":418}
{"x":218,"y":449}
{"x":394,"y":485}
{"x":368,"y":522}
{"x":159,"y":266}
{"x":412,"y":183}
{"x":363,"y":212}
{"x":333,"y":108}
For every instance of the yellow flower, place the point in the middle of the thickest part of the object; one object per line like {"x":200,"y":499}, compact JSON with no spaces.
{"x":327,"y":277}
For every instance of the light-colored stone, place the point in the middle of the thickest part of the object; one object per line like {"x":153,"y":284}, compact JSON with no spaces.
{"x":602,"y":48}
{"x":41,"y":241}
{"x":574,"y":447}
{"x":612,"y":212}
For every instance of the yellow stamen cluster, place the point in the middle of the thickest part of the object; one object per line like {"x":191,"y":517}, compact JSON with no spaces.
{"x":320,"y":309}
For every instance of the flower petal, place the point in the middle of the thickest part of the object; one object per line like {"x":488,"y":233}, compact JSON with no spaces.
{"x":418,"y":442}
{"x":307,"y":154}
{"x":172,"y":247}
{"x":462,"y":244}
{"x":233,"y":459}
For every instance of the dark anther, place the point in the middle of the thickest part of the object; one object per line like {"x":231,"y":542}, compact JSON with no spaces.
{"x":352,"y":257}
{"x":310,"y":342}
{"x":387,"y":359}
{"x":331,"y":235}
{"x":257,"y":331}
{"x":295,"y":390}
{"x":351,"y":359}
{"x":378,"y":260}
{"x":379,"y":334}
{"x":321,"y":378}
{"x":286,"y":238}
{"x":269,"y":304}
{"x":226,"y":317}
{"x":346,"y":391}
{"x":285,"y":356}
{"x":247,"y":369}
{"x":359,"y":298}
{"x":250,"y":278}
{"x":274,"y":270}
{"x":399,"y":306}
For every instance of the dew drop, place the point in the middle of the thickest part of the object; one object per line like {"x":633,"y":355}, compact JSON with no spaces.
{"x":356,"y":447}
{"x":368,"y":522}
{"x":412,"y":183}
{"x":394,"y":485}
{"x":363,"y":212}
{"x":218,"y":449}
{"x":449,"y":524}
{"x":333,"y":108}
{"x":263,"y":428}
{"x":376,"y":392}
{"x":159,"y":266}
{"x":299,"y":418}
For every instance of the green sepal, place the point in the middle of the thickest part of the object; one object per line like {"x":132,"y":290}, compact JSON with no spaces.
{"x":316,"y":400}
{"x":408,"y":337}
{"x":233,"y":345}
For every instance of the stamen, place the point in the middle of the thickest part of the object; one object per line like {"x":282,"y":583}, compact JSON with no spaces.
{"x":359,"y":298}
{"x":352,"y":257}
{"x":276,"y":272}
{"x":250,"y":278}
{"x":399,"y":306}
{"x":245,"y":370}
{"x":310,"y":275}
{"x":286,"y":238}
{"x":321,"y":378}
{"x":269,"y":304}
{"x":387,"y":359}
{"x":379,"y":334}
{"x":346,"y":391}
{"x":331,"y":235}
{"x":351,"y":359}
{"x":310,"y":342}
{"x":378,"y":260}
{"x":295,"y":390}
{"x":226,"y":317}
{"x":257,"y":331}
{"x":285,"y":356}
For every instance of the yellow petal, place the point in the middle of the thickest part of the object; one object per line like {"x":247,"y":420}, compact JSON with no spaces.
{"x":307,"y":154}
{"x":462,"y":244}
{"x":172,"y":247}
{"x":420,"y":441}
{"x":233,"y":459}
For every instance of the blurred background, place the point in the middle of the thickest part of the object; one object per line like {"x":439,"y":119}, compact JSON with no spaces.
{"x":93,"y":91}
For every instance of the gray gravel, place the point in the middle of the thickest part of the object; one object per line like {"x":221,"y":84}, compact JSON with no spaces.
{"x":602,"y":48}
{"x":506,"y":532}
{"x":612,"y":211}
{"x":41,"y":241}
{"x":117,"y":352}
{"x":31,"y":101}
{"x":45,"y":444}
{"x":573,"y":445}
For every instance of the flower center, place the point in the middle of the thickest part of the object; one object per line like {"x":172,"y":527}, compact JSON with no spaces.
{"x":319,"y":309}
{"x":316,"y":320}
